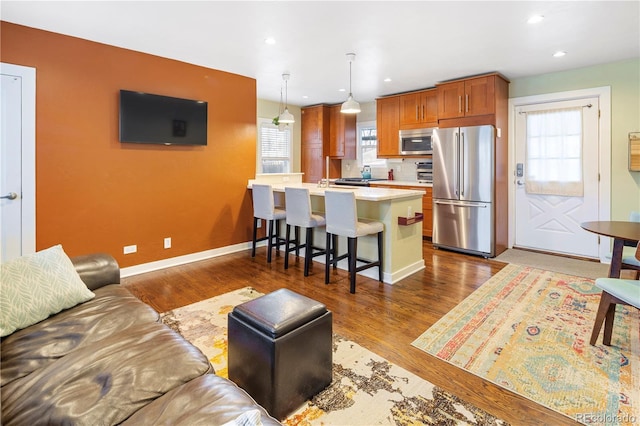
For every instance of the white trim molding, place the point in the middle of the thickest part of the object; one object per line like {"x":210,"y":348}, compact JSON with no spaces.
{"x":28,"y":77}
{"x":181,"y":260}
{"x":604,"y":152}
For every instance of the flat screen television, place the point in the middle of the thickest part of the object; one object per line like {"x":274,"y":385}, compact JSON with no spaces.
{"x":156,"y":119}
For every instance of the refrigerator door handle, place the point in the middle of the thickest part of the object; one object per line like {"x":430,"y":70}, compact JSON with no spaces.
{"x":457,"y":158}
{"x":458,"y":203}
{"x":462,"y":165}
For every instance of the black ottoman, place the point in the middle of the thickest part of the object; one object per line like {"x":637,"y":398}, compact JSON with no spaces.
{"x":280,"y":350}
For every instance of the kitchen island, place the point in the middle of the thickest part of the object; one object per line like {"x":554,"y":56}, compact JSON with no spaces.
{"x":402,"y":243}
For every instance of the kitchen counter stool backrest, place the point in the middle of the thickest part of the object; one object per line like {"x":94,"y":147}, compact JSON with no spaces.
{"x":342,"y":219}
{"x":264,"y":208}
{"x":300,"y":215}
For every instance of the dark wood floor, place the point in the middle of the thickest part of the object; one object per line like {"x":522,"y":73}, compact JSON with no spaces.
{"x":383,"y":318}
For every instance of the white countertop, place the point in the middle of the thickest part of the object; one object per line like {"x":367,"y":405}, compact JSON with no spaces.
{"x":362,"y":192}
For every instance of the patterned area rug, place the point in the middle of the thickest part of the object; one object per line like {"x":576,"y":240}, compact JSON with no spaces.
{"x":366,"y":389}
{"x":528,"y":330}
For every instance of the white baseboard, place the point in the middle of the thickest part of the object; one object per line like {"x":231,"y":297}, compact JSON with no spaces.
{"x":208,"y":254}
{"x":181,"y":260}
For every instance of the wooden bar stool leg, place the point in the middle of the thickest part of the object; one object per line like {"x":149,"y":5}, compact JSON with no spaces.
{"x":269,"y":240}
{"x":286,"y":244}
{"x":297,"y":236}
{"x":380,"y":242}
{"x":334,"y":250}
{"x":278,"y":239}
{"x":352,"y":250}
{"x":255,"y":236}
{"x":328,"y":253}
{"x":308,"y":252}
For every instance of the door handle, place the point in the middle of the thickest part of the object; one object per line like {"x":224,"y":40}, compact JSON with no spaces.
{"x":10,"y":196}
{"x":462,"y":165}
{"x":458,"y":204}
{"x":520,"y":182}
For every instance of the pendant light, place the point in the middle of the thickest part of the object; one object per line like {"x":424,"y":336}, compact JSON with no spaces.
{"x":286,"y":117}
{"x":350,"y":106}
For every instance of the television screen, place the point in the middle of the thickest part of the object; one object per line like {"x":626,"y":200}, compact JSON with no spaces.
{"x":147,"y":118}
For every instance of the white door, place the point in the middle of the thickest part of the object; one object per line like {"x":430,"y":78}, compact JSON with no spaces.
{"x":17,"y":161}
{"x":557,"y":147}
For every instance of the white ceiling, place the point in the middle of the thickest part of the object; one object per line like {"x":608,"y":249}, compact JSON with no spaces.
{"x":415,"y":43}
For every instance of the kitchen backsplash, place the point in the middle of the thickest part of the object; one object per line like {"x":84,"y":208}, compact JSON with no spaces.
{"x":403,"y":169}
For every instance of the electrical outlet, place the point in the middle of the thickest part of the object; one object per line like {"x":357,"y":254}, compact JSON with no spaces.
{"x":167,"y":242}
{"x":130,"y":249}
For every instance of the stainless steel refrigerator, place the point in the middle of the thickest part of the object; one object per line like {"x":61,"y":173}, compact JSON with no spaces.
{"x":463,"y":189}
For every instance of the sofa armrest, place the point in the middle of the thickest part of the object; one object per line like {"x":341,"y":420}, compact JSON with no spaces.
{"x":97,"y":270}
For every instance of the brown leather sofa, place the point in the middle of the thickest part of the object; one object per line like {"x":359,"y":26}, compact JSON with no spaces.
{"x":110,"y":361}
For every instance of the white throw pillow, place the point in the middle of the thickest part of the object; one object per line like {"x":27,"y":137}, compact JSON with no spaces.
{"x":248,"y":418}
{"x":37,"y":285}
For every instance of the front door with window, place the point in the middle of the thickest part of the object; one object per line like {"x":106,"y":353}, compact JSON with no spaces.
{"x":557,"y":176}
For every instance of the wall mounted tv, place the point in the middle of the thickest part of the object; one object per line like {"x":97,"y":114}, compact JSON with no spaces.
{"x":156,"y":119}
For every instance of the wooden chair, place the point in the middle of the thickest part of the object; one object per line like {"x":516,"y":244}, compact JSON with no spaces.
{"x":614,"y":291}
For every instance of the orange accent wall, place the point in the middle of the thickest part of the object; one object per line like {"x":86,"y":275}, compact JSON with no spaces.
{"x":94,"y":194}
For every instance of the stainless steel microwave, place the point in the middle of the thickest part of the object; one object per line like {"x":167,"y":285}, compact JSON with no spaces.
{"x":416,"y":142}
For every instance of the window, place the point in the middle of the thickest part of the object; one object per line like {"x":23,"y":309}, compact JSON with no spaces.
{"x":368,"y":144}
{"x":274,"y":148}
{"x":554,"y":152}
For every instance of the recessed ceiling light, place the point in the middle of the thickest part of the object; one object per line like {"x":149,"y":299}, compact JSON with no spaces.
{"x":270,"y":40}
{"x":559,"y":54}
{"x":342,"y":90}
{"x":305,"y":97}
{"x":535,"y":19}
{"x":386,"y":80}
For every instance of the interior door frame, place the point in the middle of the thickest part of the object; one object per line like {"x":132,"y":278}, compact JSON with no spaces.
{"x":604,"y":152}
{"x":28,"y":76}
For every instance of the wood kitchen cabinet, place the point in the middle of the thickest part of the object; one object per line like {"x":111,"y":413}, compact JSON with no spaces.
{"x":342,"y":134}
{"x":427,"y":204}
{"x":388,"y":126}
{"x":322,"y":137}
{"x":419,"y":109}
{"x":468,"y":97}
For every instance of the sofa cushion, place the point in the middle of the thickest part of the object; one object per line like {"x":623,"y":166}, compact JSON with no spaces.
{"x":37,"y":285}
{"x":104,"y":382}
{"x":207,"y":400}
{"x":112,"y":310}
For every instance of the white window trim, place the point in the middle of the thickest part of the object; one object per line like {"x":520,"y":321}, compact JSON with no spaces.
{"x":359,"y":126}
{"x":262,"y":121}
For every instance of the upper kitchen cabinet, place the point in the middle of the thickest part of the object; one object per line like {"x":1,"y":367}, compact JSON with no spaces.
{"x":342,"y":134}
{"x":315,"y":136}
{"x":471,"y":97}
{"x":419,"y":109}
{"x":323,"y":137}
{"x":388,"y":126}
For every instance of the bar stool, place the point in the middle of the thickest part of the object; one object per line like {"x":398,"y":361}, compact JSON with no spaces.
{"x":342,"y":219}
{"x":299,"y":215}
{"x":264,"y":208}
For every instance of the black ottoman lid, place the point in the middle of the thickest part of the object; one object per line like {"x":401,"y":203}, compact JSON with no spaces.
{"x":279,"y":312}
